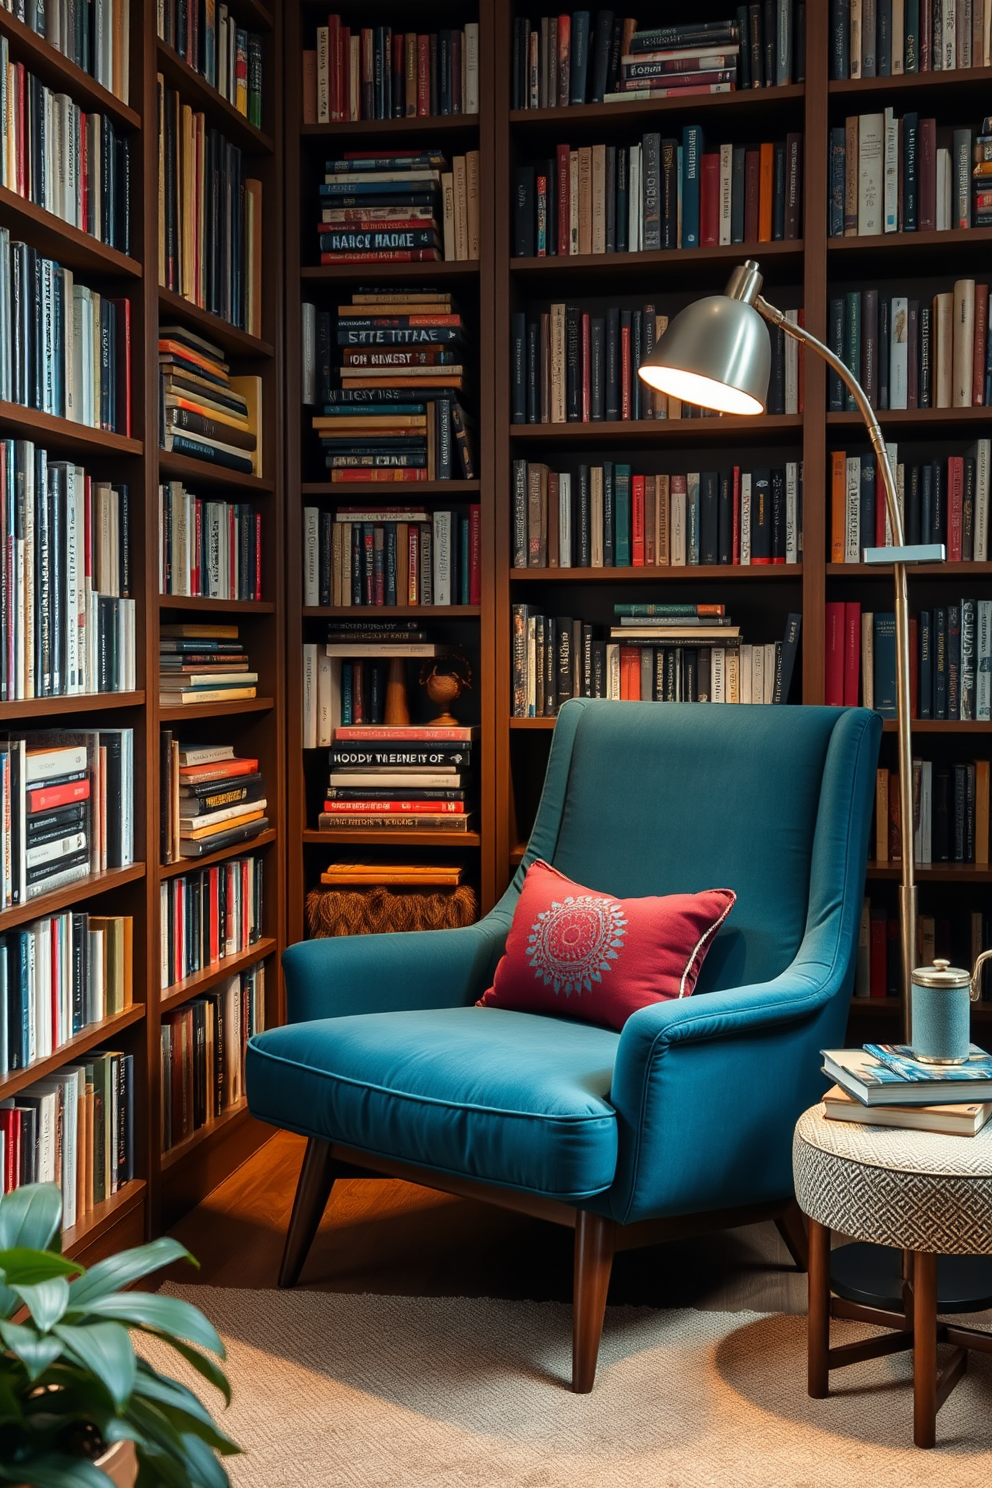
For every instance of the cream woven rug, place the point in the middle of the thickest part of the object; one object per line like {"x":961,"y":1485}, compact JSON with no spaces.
{"x":405,"y":1392}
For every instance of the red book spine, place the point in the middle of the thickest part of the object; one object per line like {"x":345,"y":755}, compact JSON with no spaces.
{"x":196,"y":576}
{"x":852,"y":652}
{"x":709,"y":201}
{"x":586,"y":365}
{"x":368,"y":476}
{"x":246,"y":869}
{"x":564,"y":58}
{"x":564,"y":171}
{"x":358,"y":691}
{"x":637,"y":521}
{"x":423,"y":76}
{"x":395,"y":255}
{"x":981,"y":344}
{"x":752,"y":177}
{"x":735,"y":556}
{"x":395,"y":808}
{"x":47,"y":798}
{"x":833,"y":690}
{"x":955,"y":500}
{"x":625,"y":388}
{"x":334,"y":64}
{"x":630,"y":673}
{"x":475,"y":554}
{"x":10,"y":1125}
{"x":877,"y":977}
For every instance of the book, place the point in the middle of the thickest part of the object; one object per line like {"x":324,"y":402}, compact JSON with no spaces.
{"x":874,"y":1082}
{"x":963,"y":1120}
{"x":227,"y":56}
{"x":203,"y":1044}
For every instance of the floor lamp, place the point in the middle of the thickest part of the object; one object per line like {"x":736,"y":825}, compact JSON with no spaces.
{"x":717,"y":353}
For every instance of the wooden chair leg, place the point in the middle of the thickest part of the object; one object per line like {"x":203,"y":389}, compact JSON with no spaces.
{"x":924,"y":1349}
{"x":818,"y":1322}
{"x":312,"y":1192}
{"x":594,"y":1242}
{"x":792,"y":1228}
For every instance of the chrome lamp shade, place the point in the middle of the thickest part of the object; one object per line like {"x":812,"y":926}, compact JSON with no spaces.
{"x":716,"y":352}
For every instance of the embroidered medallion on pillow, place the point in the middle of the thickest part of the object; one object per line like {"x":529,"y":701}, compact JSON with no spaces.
{"x":572,"y":951}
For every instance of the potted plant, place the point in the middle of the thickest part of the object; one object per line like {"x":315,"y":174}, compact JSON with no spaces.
{"x":78,"y":1408}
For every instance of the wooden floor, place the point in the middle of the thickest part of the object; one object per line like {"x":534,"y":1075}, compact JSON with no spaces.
{"x":390,"y":1237}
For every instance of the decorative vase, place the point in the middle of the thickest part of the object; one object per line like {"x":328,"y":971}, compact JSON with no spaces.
{"x":397,"y":708}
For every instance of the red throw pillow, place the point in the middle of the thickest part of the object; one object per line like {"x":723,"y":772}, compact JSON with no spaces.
{"x":586,"y":955}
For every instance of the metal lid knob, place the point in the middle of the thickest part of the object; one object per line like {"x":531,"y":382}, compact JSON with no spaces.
{"x":942,"y":975}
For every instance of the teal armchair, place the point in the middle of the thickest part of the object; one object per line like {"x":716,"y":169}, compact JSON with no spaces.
{"x":683,"y":1121}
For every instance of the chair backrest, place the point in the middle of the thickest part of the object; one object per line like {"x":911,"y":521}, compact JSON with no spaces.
{"x":642,"y":798}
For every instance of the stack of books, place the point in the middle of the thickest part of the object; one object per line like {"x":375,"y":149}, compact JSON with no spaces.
{"x":372,"y":873}
{"x":211,"y":42}
{"x":883,"y":1085}
{"x":345,"y":681}
{"x":203,"y":1053}
{"x":211,"y":799}
{"x":209,"y":915}
{"x":399,"y":207}
{"x":889,"y":175}
{"x":205,"y":412}
{"x":942,"y":501}
{"x":76,"y":1129}
{"x":390,"y":779}
{"x":208,"y":548}
{"x":98,"y":39}
{"x":907,"y":36}
{"x":203,"y":664}
{"x":379,"y":73}
{"x":390,"y":555}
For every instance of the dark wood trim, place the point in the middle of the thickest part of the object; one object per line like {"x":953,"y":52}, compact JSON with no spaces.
{"x":925,"y":1349}
{"x":818,"y":1325}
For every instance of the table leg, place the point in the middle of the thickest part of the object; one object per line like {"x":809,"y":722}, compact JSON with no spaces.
{"x":924,"y":1349}
{"x":818,"y":1321}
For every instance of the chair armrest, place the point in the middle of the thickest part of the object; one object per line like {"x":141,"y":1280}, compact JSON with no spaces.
{"x":340,"y":975}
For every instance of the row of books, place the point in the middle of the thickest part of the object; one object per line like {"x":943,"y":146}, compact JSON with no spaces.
{"x":605,"y":516}
{"x":950,"y":660}
{"x":208,"y":549}
{"x":883,"y":40}
{"x":345,"y":680}
{"x":913,"y":353}
{"x":950,"y":813}
{"x":203,"y":663}
{"x":97,"y":38}
{"x":212,"y":799}
{"x":960,"y":940}
{"x":940,"y":502}
{"x":67,"y":624}
{"x":394,"y":779}
{"x":64,"y":349}
{"x":206,"y":413}
{"x":209,"y":217}
{"x":379,"y":73}
{"x":569,"y":364}
{"x":57,"y":977}
{"x":71,"y":163}
{"x":399,"y":207}
{"x":67,"y":803}
{"x":209,"y":39}
{"x":899,"y":175}
{"x":208,"y":915}
{"x":665,"y":658}
{"x":76,"y":1129}
{"x":657,"y":194}
{"x":203,"y":1053}
{"x":393,"y":555}
{"x":574,"y":59}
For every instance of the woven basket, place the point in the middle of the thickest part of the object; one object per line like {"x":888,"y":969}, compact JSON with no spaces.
{"x":374,"y":911}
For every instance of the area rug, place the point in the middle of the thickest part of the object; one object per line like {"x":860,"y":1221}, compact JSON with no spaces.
{"x":403,"y":1392}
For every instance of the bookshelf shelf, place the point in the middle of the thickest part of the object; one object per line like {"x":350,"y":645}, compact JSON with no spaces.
{"x":731,"y":428}
{"x":395,"y":129}
{"x":749,"y":104}
{"x":393,"y":493}
{"x":87,"y":702}
{"x":941,"y":726}
{"x":202,"y":981}
{"x":925,"y":249}
{"x":637,"y":266}
{"x":200,"y":473}
{"x":62,"y":74}
{"x":862,"y":571}
{"x":236,"y":850}
{"x":936,"y":872}
{"x":59,"y":899}
{"x":216,"y":606}
{"x":71,"y":247}
{"x":91,"y":1037}
{"x":914,"y":84}
{"x":197,"y":91}
{"x":330,"y":836}
{"x":98,"y":1220}
{"x":452,"y":268}
{"x":182,"y":1150}
{"x":679,"y":574}
{"x":413,"y":612}
{"x":532,"y":723}
{"x":63,"y":434}
{"x":256,"y":12}
{"x":926,"y":422}
{"x":233,"y":340}
{"x":193,"y":711}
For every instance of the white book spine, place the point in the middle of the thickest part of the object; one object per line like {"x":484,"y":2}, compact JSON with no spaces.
{"x":867,"y":659}
{"x":325,"y":669}
{"x":718,"y":674}
{"x":442,"y":558}
{"x":852,"y":534}
{"x":791,"y":511}
{"x":726,"y":192}
{"x":949,"y":38}
{"x":565,"y":520}
{"x":613,"y":671}
{"x":855,"y":39}
{"x":792,"y":366}
{"x":309,"y":695}
{"x":745,"y":678}
{"x":891,"y":186}
{"x":678,"y":532}
{"x":898,"y":349}
{"x":871,"y":152}
{"x":471,"y":55}
{"x":983,"y":458}
{"x":634,"y":199}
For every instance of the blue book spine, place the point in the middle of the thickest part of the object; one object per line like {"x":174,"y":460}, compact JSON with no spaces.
{"x":925,"y":701}
{"x":911,"y":36}
{"x":885,"y":664}
{"x":609,"y":515}
{"x":852,"y":342}
{"x":347,"y":693}
{"x":838,"y":152}
{"x":692,"y":156}
{"x":622,"y":508}
{"x":835,"y":385}
{"x":579,"y":80}
{"x":940,"y":663}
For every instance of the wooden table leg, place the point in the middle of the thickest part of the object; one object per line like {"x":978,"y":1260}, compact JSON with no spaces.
{"x":924,"y":1349}
{"x":818,"y":1321}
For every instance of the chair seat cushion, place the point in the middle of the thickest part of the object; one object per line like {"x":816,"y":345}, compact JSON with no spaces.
{"x":505,"y":1097}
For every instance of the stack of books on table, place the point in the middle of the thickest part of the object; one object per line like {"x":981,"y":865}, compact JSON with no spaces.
{"x":203,"y":664}
{"x":399,"y":207}
{"x":206,"y":413}
{"x":883,"y":1085}
{"x":211,"y":799}
{"x":391,"y":779}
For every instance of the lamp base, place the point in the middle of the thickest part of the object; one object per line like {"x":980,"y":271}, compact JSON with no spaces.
{"x":872,"y":1275}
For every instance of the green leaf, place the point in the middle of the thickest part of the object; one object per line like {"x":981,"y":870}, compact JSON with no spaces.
{"x":151,"y":1385}
{"x":209,"y":1471}
{"x":23,"y":1267}
{"x":200,"y":1363}
{"x":169,"y":1315}
{"x":55,"y":1471}
{"x":35,"y":1353}
{"x":181,"y":1407}
{"x":158,"y":1469}
{"x":30,"y":1216}
{"x":105,"y":1349}
{"x":120,"y":1271}
{"x":46,"y":1301}
{"x":160,"y":1433}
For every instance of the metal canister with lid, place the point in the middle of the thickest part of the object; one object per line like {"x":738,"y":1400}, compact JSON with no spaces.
{"x":942,"y":995}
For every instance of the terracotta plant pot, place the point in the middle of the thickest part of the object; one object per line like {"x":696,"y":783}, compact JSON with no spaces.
{"x":120,"y":1464}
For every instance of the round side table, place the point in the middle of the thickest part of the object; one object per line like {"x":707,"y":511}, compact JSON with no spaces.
{"x":924,"y":1193}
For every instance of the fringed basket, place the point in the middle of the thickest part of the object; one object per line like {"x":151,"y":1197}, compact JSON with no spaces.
{"x":373,"y":911}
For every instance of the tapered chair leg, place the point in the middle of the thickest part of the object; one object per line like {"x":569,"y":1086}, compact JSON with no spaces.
{"x":594,"y":1242}
{"x":924,"y":1349}
{"x":818,"y":1323}
{"x":312,"y":1192}
{"x":792,"y":1228}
